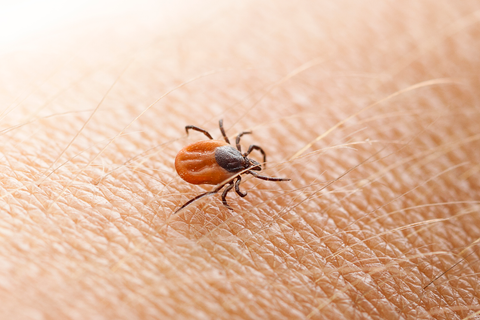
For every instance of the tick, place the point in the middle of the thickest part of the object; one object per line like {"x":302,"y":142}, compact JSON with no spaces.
{"x":217,"y":162}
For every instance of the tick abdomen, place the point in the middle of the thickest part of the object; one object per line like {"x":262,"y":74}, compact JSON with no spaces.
{"x":197,"y":163}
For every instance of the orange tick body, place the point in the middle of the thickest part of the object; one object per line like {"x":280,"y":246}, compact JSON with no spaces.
{"x":217,"y":162}
{"x":198,"y":164}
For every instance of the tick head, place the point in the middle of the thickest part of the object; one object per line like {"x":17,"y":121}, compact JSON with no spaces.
{"x":256,"y":166}
{"x":230,"y":159}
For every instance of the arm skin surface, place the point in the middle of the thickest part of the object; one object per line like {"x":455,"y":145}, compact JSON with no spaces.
{"x":370,"y":107}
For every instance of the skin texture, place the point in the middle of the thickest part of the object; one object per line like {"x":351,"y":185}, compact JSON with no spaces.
{"x":370,"y":107}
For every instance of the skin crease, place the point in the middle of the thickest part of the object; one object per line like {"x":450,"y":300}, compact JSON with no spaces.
{"x":370,"y":107}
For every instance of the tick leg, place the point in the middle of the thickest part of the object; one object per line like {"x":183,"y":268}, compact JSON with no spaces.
{"x":254,"y":147}
{"x":220,"y":124}
{"x":218,"y":188}
{"x":205,"y":132}
{"x":237,"y":188}
{"x":195,"y":199}
{"x":256,"y":175}
{"x":224,"y":195}
{"x":237,"y":141}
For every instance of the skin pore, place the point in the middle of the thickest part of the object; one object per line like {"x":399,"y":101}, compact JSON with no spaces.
{"x":370,"y":107}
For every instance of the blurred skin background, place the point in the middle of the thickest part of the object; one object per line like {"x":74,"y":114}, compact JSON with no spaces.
{"x":370,"y":107}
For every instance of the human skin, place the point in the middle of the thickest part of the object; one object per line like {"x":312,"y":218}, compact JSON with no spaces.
{"x":370,"y":107}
